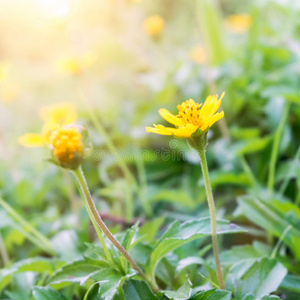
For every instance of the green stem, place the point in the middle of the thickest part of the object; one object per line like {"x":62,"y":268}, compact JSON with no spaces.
{"x":97,"y":218}
{"x":3,"y":252}
{"x":212,"y":211}
{"x":36,"y":235}
{"x":98,"y":231}
{"x":275,"y":150}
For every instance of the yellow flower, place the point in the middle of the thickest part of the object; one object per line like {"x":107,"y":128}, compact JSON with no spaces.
{"x":61,"y":113}
{"x":197,"y":54}
{"x":53,"y":116}
{"x":191,"y":117}
{"x":67,"y":146}
{"x":75,"y":65}
{"x":238,"y":23}
{"x":154,"y":25}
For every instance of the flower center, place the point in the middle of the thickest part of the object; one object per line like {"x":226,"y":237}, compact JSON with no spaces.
{"x":190,"y":112}
{"x":66,"y":142}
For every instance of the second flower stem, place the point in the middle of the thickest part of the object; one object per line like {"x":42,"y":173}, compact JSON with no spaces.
{"x":97,"y":218}
{"x":212,"y":212}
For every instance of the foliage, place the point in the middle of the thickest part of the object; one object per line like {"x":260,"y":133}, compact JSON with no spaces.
{"x":149,"y":189}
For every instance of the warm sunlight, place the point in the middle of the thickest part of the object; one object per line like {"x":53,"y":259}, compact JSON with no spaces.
{"x":50,"y":10}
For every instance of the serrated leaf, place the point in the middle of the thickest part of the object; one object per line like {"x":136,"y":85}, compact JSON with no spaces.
{"x":75,"y":272}
{"x":184,"y":292}
{"x":109,"y":281}
{"x":213,"y":294}
{"x":261,"y":279}
{"x":46,"y":293}
{"x":138,"y":290}
{"x":179,"y":234}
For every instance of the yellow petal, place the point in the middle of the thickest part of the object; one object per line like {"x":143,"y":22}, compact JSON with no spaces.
{"x":215,"y":118}
{"x":211,"y":105}
{"x":209,"y":122}
{"x":159,"y":129}
{"x":183,"y":131}
{"x":60,"y":113}
{"x":170,"y":117}
{"x":32,"y":140}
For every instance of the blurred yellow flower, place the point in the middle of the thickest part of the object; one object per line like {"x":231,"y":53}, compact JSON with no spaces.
{"x":53,"y":116}
{"x":191,"y":117}
{"x":32,"y":140}
{"x":67,"y":146}
{"x":238,"y":23}
{"x":197,"y":54}
{"x":75,"y":65}
{"x":60,"y":113}
{"x":8,"y":91}
{"x":154,"y":25}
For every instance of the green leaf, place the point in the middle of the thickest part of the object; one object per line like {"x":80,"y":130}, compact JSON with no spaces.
{"x":109,"y":281}
{"x":224,"y":178}
{"x":267,"y":216}
{"x":289,"y":169}
{"x":126,"y":243}
{"x":287,"y":92}
{"x":129,"y":236}
{"x":244,"y":133}
{"x":241,"y":258}
{"x":75,"y":272}
{"x":179,"y":234}
{"x":213,"y":294}
{"x":262,"y":278}
{"x":46,"y":293}
{"x":191,"y":260}
{"x":244,"y":252}
{"x":184,"y":292}
{"x":174,"y":196}
{"x":291,"y":283}
{"x":252,"y":145}
{"x":149,"y":229}
{"x":37,"y":264}
{"x":137,"y":290}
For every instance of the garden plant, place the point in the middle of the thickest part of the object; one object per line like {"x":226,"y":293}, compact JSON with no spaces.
{"x":99,"y":203}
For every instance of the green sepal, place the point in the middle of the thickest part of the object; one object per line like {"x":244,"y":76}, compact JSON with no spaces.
{"x":197,"y":133}
{"x":52,"y":161}
{"x":198,"y":142}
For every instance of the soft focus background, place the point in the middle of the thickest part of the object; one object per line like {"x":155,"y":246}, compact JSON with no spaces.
{"x":116,"y":62}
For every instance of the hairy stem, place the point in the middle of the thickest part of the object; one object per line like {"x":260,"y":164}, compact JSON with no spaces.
{"x":97,"y":218}
{"x":212,"y":212}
